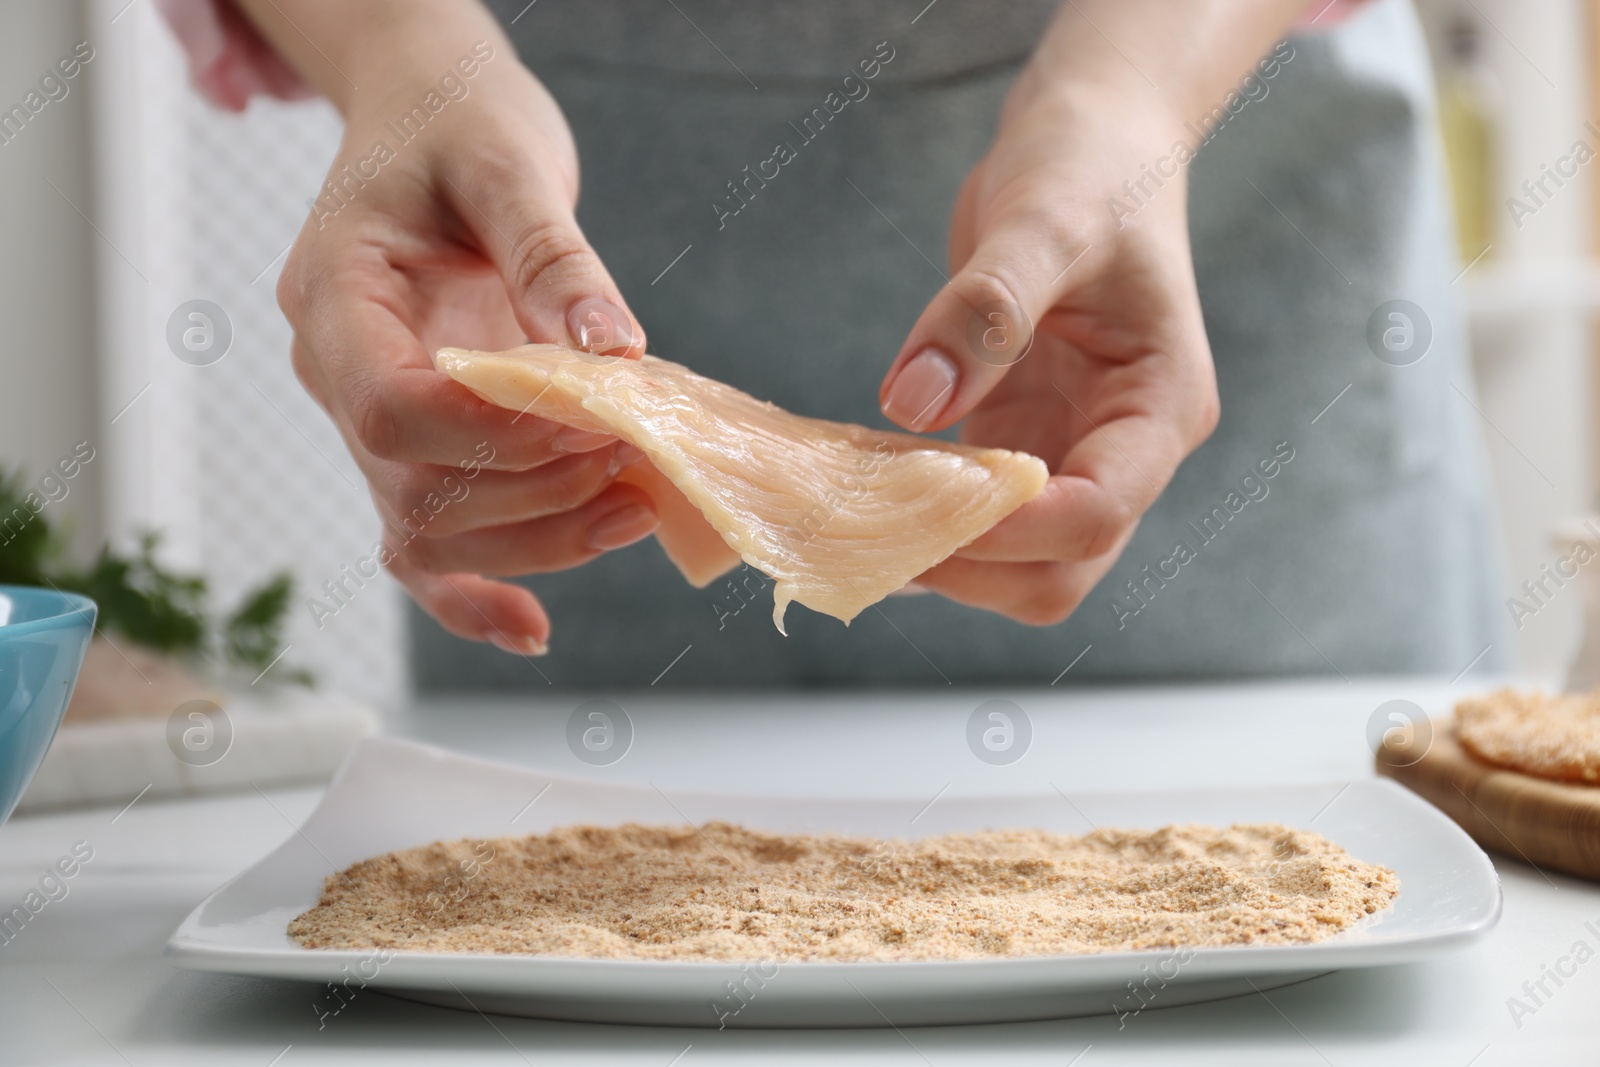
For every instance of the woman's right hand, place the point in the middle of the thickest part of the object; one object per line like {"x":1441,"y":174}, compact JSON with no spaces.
{"x":463,"y":235}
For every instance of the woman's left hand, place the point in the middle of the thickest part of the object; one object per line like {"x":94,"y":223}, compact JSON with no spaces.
{"x":1071,"y":332}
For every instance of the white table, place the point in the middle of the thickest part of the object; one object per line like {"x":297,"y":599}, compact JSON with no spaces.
{"x":84,"y":982}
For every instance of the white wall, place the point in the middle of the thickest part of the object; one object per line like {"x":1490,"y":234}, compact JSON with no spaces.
{"x":1533,"y":302}
{"x":230,"y":461}
{"x":230,"y":458}
{"x":48,"y":392}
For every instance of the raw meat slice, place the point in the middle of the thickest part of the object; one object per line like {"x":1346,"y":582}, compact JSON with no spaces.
{"x":839,"y":515}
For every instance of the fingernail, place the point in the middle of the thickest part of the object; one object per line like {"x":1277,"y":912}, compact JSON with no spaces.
{"x":622,"y":527}
{"x":922,"y":390}
{"x":626,"y":454}
{"x":571,"y":439}
{"x":518,"y":644}
{"x":600,"y":326}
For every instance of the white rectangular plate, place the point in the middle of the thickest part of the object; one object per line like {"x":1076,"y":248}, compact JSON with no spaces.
{"x":394,"y":795}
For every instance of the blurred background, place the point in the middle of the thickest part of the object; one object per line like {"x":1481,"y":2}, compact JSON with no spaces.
{"x":129,"y":197}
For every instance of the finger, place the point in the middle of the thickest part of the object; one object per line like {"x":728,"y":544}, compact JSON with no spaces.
{"x":1134,"y":440}
{"x":617,"y":517}
{"x":1095,"y":502}
{"x":508,"y":616}
{"x":976,"y":328}
{"x":1071,"y":519}
{"x":560,"y":291}
{"x":436,"y":502}
{"x":1039,"y":593}
{"x":367,"y":366}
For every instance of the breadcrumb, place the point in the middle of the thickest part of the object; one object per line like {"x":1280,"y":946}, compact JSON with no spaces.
{"x":1534,"y":732}
{"x":722,"y":892}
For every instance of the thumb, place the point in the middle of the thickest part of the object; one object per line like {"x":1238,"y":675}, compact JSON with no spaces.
{"x":978,"y":326}
{"x":560,"y":291}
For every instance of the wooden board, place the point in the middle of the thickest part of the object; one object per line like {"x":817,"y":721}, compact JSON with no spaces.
{"x":1554,"y":825}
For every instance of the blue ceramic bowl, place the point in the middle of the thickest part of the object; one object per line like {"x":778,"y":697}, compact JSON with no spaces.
{"x":43,"y":636}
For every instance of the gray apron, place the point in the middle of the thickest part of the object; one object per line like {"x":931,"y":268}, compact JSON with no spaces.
{"x":1368,"y":549}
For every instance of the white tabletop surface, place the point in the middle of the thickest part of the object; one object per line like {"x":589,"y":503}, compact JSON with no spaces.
{"x":84,"y":982}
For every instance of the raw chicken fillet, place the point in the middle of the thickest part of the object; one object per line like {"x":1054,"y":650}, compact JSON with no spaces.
{"x":840,"y":516}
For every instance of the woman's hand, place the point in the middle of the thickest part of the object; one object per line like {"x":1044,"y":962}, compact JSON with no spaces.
{"x":1070,"y":331}
{"x":462,"y":235}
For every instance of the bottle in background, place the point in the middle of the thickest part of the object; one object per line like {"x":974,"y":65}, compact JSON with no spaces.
{"x":1468,"y":100}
